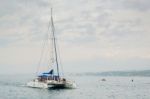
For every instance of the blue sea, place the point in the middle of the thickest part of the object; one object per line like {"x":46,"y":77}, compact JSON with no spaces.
{"x":88,"y":87}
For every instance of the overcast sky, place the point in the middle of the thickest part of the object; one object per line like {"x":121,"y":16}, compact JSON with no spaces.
{"x":93,"y":35}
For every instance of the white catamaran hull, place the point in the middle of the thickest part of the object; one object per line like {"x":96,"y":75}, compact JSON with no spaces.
{"x":70,"y":84}
{"x":57,"y":84}
{"x":51,"y":84}
{"x":37,"y":84}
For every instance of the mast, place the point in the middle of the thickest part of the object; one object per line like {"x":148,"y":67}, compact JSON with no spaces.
{"x":54,"y":41}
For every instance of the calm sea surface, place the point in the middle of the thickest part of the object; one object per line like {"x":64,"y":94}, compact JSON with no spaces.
{"x":89,"y":87}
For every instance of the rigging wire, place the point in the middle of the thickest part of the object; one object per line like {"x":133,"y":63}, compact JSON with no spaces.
{"x":42,"y":51}
{"x":40,"y":60}
{"x":59,"y":56}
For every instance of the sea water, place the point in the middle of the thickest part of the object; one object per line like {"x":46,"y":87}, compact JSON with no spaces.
{"x":88,"y":87}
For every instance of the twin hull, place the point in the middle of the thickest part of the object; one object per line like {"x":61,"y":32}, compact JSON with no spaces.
{"x":51,"y":84}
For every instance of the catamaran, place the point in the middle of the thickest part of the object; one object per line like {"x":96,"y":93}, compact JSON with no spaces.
{"x":52,"y":79}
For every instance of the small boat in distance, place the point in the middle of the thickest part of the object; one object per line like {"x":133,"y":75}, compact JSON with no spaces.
{"x":103,"y":79}
{"x":52,"y":79}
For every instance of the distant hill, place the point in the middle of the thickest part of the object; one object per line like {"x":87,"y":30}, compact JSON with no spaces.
{"x":145,"y":73}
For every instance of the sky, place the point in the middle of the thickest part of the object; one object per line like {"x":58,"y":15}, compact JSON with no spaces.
{"x":92,"y":35}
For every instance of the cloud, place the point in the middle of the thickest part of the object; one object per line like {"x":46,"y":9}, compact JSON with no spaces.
{"x":87,"y":31}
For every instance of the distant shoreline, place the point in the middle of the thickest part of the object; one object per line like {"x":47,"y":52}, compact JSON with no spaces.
{"x":143,"y":73}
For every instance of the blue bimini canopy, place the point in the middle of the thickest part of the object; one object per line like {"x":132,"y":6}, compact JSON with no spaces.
{"x":46,"y":74}
{"x":50,"y":72}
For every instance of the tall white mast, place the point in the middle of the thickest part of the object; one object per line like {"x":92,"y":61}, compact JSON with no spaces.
{"x":54,"y":41}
